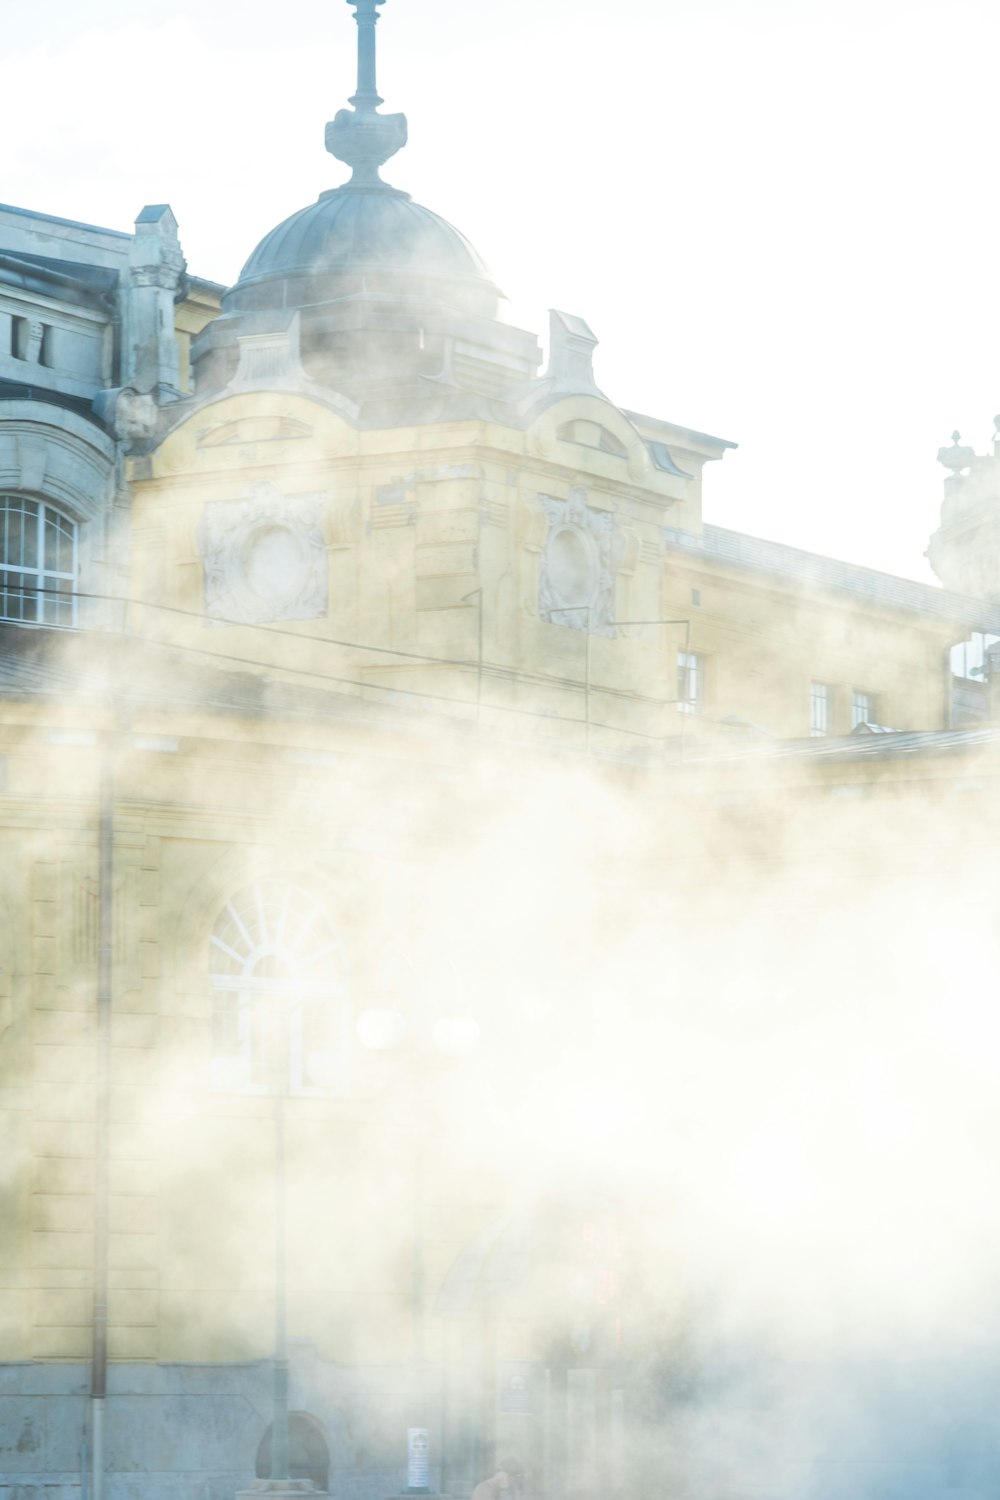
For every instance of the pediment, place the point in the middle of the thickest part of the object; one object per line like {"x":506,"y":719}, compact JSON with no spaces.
{"x":590,"y":434}
{"x":590,"y":422}
{"x":258,"y":428}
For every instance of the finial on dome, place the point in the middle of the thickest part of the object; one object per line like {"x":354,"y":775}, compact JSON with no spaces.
{"x":360,"y":136}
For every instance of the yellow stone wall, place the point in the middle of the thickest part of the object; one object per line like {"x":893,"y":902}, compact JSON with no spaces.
{"x":765,"y":642}
{"x":426,"y":525}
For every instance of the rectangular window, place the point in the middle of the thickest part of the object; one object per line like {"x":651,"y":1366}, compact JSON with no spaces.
{"x":690,"y":682}
{"x":31,"y":341}
{"x":820,"y":708}
{"x":864,"y":709}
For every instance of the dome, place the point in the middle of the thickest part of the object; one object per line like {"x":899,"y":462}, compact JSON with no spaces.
{"x":366,"y":292}
{"x":365,"y":239}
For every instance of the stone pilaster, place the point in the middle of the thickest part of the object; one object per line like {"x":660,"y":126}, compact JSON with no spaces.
{"x":156,"y":266}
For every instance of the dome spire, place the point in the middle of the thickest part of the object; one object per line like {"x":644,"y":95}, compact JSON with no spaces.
{"x":360,"y":136}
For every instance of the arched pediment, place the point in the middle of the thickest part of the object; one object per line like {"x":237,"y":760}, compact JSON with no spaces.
{"x":592,"y":435}
{"x":583,"y":431}
{"x":270,"y":427}
{"x":253,"y":427}
{"x":47,"y":450}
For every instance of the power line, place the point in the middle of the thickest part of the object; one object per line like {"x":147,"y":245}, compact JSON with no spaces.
{"x":494,"y":670}
{"x":328,"y":678}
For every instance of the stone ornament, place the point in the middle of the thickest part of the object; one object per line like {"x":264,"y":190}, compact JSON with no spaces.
{"x":265,"y":557}
{"x":576,"y":576}
{"x":956,"y":458}
{"x":131,"y":414}
{"x":162,"y":277}
{"x":31,"y":332}
{"x":361,"y":137}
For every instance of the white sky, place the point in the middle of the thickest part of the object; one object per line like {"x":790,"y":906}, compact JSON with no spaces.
{"x":777,"y":215}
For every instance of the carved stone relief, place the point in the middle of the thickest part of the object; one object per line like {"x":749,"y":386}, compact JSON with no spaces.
{"x":576,"y":579}
{"x":265,"y":557}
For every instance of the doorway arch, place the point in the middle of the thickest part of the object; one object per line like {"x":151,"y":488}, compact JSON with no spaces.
{"x":308,"y":1451}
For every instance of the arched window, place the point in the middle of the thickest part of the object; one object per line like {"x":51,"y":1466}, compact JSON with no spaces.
{"x":279,"y":993}
{"x":37,"y":562}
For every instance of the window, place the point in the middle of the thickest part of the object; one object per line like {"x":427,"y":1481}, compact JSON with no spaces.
{"x":278,"y":993}
{"x":864,"y":709}
{"x":969,"y":658}
{"x":31,"y":340}
{"x":690,"y":682}
{"x":37,"y":563}
{"x":820,"y":708}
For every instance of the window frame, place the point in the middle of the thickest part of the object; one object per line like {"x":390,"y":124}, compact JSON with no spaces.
{"x":821,"y":693}
{"x":871,"y":705}
{"x":293,"y":994}
{"x":690,"y":670}
{"x":35,"y":581}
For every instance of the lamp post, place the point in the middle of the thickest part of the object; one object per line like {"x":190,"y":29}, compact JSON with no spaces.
{"x":383,"y":1029}
{"x":279,"y":1420}
{"x":273,"y":1031}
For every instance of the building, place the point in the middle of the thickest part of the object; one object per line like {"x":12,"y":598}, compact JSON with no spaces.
{"x":345,"y":652}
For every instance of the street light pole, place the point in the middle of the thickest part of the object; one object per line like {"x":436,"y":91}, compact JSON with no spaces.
{"x":273,"y":1015}
{"x":279,"y":1420}
{"x":383,"y":1029}
{"x":102,"y":1192}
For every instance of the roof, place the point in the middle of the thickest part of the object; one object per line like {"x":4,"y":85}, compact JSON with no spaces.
{"x":760,"y":556}
{"x":30,"y":213}
{"x":71,"y":280}
{"x":154,"y":212}
{"x":658,"y":427}
{"x":203,"y":284}
{"x":20,"y":390}
{"x":351,"y":230}
{"x":894,"y":745}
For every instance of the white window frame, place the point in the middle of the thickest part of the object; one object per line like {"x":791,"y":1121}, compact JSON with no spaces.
{"x":310,"y":939}
{"x":864,"y":707}
{"x":820,"y":709}
{"x":49,"y":603}
{"x":690,"y":682}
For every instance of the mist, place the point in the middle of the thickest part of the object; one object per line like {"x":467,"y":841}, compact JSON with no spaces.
{"x":731,"y":1112}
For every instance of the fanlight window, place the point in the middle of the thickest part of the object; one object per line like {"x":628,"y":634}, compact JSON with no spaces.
{"x":37,"y":563}
{"x":278,"y":993}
